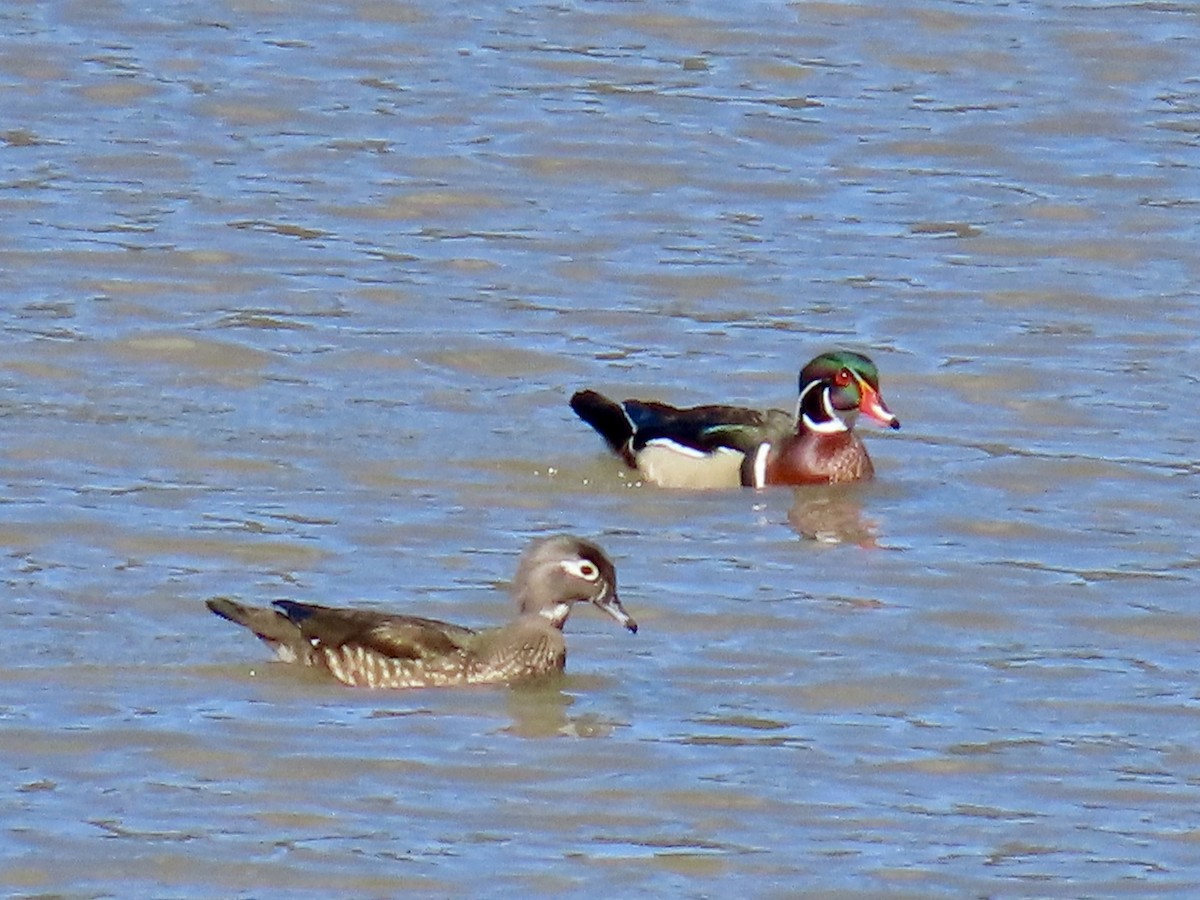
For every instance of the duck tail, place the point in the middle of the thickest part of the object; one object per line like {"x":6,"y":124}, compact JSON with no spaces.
{"x":271,"y":627}
{"x":607,"y":417}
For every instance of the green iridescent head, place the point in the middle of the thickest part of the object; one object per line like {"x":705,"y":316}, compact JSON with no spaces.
{"x":853,"y":383}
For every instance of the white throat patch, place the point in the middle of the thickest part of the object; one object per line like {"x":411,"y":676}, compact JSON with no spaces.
{"x":557,"y":614}
{"x":834,"y":424}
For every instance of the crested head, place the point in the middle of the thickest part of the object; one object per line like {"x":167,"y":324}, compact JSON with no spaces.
{"x":828,"y":366}
{"x":852,"y":382}
{"x":555,"y":572}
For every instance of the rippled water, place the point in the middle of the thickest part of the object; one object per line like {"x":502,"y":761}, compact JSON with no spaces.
{"x":294,"y":295}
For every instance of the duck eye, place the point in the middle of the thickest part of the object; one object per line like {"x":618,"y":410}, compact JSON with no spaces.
{"x":843,"y":377}
{"x":582,"y":568}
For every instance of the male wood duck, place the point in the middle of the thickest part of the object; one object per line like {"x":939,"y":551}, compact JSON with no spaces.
{"x":363,"y":648}
{"x":727,"y":446}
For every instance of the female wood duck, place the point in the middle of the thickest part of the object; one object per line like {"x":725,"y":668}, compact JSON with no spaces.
{"x":363,"y":648}
{"x":727,"y":446}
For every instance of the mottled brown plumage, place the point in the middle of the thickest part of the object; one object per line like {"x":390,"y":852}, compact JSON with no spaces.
{"x":364,"y":648}
{"x":804,"y":458}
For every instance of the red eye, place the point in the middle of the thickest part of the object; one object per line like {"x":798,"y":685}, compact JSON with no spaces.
{"x":581,"y":568}
{"x":842,"y":378}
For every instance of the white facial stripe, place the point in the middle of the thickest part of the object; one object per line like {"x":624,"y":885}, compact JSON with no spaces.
{"x":835,"y":423}
{"x":804,"y":393}
{"x":812,"y":385}
{"x":827,"y":403}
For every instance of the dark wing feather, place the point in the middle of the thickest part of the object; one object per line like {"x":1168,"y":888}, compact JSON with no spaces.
{"x":398,"y":637}
{"x":416,"y":638}
{"x":704,"y":428}
{"x":772,"y":425}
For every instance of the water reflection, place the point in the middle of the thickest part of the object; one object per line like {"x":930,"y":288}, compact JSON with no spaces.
{"x":540,"y":710}
{"x":832,"y":516}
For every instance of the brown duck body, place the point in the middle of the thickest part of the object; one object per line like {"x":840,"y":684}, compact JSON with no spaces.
{"x":365,"y":648}
{"x":805,"y":457}
{"x":378,"y":650}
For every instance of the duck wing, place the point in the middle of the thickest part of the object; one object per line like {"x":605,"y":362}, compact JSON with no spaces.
{"x":390,"y":635}
{"x":704,"y":428}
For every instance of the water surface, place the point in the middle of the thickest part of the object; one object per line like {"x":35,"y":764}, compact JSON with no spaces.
{"x":294,"y":296}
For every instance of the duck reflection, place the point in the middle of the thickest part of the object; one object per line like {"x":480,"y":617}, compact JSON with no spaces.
{"x":831,"y":518}
{"x":540,"y":710}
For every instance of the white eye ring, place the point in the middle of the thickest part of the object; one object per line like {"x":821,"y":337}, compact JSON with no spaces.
{"x":581,"y":568}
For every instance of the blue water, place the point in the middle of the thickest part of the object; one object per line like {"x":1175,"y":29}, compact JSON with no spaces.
{"x":294,"y":296}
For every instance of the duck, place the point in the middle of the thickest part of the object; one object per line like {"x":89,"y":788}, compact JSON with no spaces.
{"x":373,"y":649}
{"x":710,"y":447}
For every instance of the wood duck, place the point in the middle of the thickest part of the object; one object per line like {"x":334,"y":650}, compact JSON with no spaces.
{"x":727,"y":446}
{"x":364,"y":648}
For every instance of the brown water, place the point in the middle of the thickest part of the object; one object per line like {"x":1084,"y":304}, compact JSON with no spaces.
{"x":293,"y":298}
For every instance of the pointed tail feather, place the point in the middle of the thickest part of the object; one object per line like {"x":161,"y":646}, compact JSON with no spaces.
{"x":607,"y":417}
{"x":270,"y":626}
